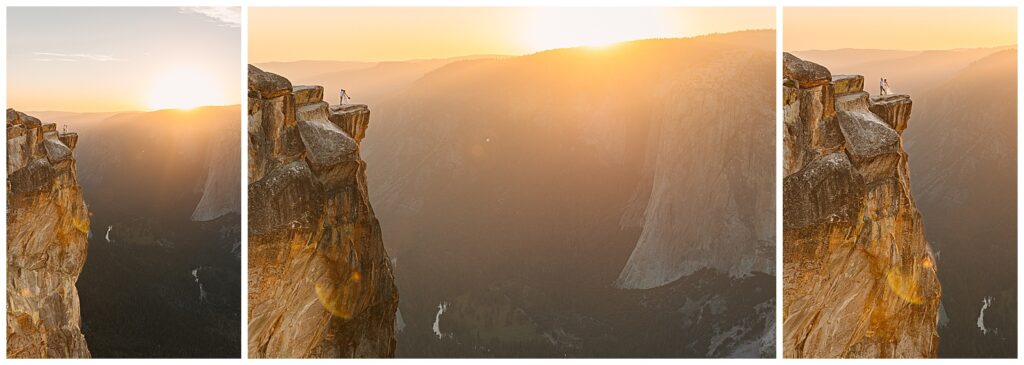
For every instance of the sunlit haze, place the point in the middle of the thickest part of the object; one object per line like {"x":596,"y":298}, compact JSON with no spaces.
{"x":394,"y":34}
{"x":119,"y":59}
{"x":898,"y":28}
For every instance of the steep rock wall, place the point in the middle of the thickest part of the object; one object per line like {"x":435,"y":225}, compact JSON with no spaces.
{"x":708,"y":201}
{"x":320,"y":281}
{"x":859,"y":277}
{"x":47,"y":231}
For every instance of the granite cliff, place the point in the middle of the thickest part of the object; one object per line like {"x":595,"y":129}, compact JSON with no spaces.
{"x":47,"y":231}
{"x":320,"y":281}
{"x":859,"y":277}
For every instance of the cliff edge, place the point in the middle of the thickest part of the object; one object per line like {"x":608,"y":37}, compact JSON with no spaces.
{"x":859,"y":277}
{"x":320,"y":281}
{"x":47,"y":232}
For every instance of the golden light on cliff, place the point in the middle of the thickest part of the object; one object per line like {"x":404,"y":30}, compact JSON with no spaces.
{"x":335,"y":299}
{"x":82,"y":225}
{"x":339,"y":298}
{"x":183,"y":88}
{"x":904,"y":286}
{"x":927,"y":262}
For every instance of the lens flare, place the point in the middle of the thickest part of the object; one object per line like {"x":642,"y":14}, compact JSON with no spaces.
{"x":904,"y":286}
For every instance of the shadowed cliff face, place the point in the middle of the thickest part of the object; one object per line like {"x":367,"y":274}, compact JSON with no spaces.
{"x":320,"y":281}
{"x":47,"y":229}
{"x":860,"y":279}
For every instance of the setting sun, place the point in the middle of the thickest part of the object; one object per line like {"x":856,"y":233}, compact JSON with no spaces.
{"x":548,"y":28}
{"x":376,"y":34}
{"x":182,"y":89}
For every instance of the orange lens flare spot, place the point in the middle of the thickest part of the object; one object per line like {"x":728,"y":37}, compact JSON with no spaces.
{"x":335,"y":299}
{"x":927,"y":262}
{"x":82,"y":225}
{"x":904,"y":286}
{"x":340,"y":298}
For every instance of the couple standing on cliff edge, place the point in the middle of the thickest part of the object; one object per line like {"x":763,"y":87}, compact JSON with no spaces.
{"x":883,"y":87}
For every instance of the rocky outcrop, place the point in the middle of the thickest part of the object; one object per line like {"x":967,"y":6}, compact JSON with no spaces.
{"x":859,"y":277}
{"x":47,"y":231}
{"x":320,"y":281}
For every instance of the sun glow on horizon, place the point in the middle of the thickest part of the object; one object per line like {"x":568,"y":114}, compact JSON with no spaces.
{"x":183,"y":88}
{"x":385,"y":34}
{"x":550,"y":28}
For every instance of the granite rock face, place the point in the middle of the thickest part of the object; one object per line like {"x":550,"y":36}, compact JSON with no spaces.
{"x":859,"y":277}
{"x":711,"y":203}
{"x":47,"y":231}
{"x":320,"y":281}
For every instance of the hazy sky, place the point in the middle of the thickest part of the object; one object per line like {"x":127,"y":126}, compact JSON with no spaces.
{"x":898,"y":28}
{"x":117,"y":59}
{"x":381,"y":34}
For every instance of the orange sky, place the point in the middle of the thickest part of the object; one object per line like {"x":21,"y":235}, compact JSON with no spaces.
{"x":382,"y":34}
{"x":104,"y":59}
{"x":898,"y":28}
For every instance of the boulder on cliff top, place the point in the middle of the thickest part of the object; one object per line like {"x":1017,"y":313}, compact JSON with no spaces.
{"x":12,"y":117}
{"x":268,"y":85}
{"x":312,"y":111}
{"x":326,"y":144}
{"x":873,"y":147}
{"x":305,"y":94}
{"x":853,"y":101}
{"x":29,"y":121}
{"x":845,"y":84}
{"x":807,"y":74}
{"x":55,"y":150}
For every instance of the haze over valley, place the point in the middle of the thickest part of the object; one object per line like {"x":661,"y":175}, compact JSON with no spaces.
{"x":588,"y":202}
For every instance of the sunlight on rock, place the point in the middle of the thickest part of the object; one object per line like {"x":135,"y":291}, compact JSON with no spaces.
{"x":336,"y":299}
{"x":82,"y":225}
{"x":904,"y":286}
{"x":340,"y":299}
{"x":927,"y":262}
